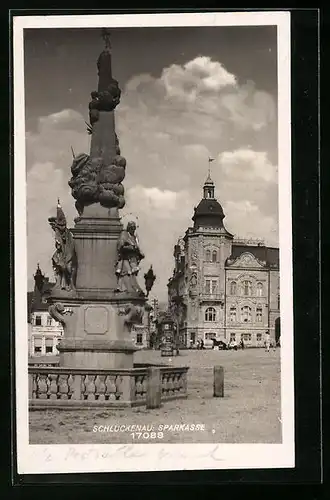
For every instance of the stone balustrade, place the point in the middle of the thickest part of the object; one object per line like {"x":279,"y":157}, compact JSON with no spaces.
{"x":82,"y":388}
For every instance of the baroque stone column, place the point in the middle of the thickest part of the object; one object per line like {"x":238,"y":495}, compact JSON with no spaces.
{"x":96,"y":317}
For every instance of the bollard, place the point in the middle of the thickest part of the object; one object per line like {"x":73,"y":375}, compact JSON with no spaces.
{"x":218,"y":382}
{"x":154,"y":388}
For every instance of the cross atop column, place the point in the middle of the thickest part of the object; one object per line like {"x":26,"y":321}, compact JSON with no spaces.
{"x":106,"y":38}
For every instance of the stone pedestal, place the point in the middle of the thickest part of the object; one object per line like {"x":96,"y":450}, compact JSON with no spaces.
{"x":96,"y":335}
{"x":96,"y":234}
{"x":96,"y":332}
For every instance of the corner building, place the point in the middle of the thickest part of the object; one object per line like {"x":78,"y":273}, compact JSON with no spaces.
{"x":222,"y":287}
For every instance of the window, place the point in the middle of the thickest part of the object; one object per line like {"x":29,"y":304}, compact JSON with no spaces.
{"x":278,"y":301}
{"x":139,"y":338}
{"x":232,"y":337}
{"x":259,"y":337}
{"x":209,"y":336}
{"x":259,"y":314}
{"x":260,"y":289}
{"x":247,"y":336}
{"x":38,"y":321}
{"x":49,"y":321}
{"x":37,"y":344}
{"x":211,"y":286}
{"x":214,"y":256}
{"x":210,"y":314}
{"x":232,"y":314}
{"x":233,"y":288}
{"x":49,"y":345}
{"x":166,"y":326}
{"x":208,"y":255}
{"x":246,"y":314}
{"x":247,"y":287}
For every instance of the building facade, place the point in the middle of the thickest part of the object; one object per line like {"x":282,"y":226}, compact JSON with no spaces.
{"x":222,"y":287}
{"x":44,"y":332}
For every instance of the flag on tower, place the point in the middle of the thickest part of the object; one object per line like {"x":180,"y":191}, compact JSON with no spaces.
{"x":211,"y":159}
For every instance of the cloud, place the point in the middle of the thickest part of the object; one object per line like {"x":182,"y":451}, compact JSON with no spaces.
{"x":53,"y":138}
{"x":67,"y":119}
{"x":246,"y":164}
{"x":167,"y":127}
{"x":246,"y":220}
{"x":196,"y":78}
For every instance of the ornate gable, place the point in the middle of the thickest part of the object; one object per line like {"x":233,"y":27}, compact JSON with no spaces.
{"x":246,"y":260}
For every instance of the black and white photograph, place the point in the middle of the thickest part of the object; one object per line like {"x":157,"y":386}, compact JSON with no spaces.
{"x":153,"y":265}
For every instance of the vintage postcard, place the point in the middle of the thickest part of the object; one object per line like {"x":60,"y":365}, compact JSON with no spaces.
{"x":153,"y":259}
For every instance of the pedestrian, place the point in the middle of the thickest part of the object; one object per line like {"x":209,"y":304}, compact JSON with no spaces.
{"x":267,"y":341}
{"x":242,"y":343}
{"x":202,"y":344}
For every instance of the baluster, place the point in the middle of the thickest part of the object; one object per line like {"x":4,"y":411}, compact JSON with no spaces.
{"x":90,"y":387}
{"x":42,"y":387}
{"x":34,"y":386}
{"x":144,"y":386}
{"x":175,"y":382}
{"x":70,"y":386}
{"x":165,"y":384}
{"x":138,"y":387}
{"x":119,"y":390}
{"x":83,"y":387}
{"x":180,"y":382}
{"x":63,"y":388}
{"x":170,"y":384}
{"x":100,"y":388}
{"x":53,"y":387}
{"x":111,"y":387}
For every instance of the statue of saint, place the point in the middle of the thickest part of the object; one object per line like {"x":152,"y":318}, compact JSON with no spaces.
{"x":129,"y":257}
{"x":64,"y":258}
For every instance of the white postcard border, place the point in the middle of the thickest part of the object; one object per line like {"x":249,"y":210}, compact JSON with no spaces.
{"x":34,"y":459}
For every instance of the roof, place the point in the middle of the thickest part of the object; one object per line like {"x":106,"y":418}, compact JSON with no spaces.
{"x":35,"y":299}
{"x":208,"y":212}
{"x":270,"y":255}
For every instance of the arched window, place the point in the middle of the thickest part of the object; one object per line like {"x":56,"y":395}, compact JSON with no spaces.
{"x":247,"y":287}
{"x":246,"y":314}
{"x":214,"y":256}
{"x":259,"y":314}
{"x":233,"y":288}
{"x":260,"y":289}
{"x":208,"y":255}
{"x":210,"y":314}
{"x":232,"y":314}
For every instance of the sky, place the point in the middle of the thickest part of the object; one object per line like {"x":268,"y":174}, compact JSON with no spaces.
{"x":187,"y":94}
